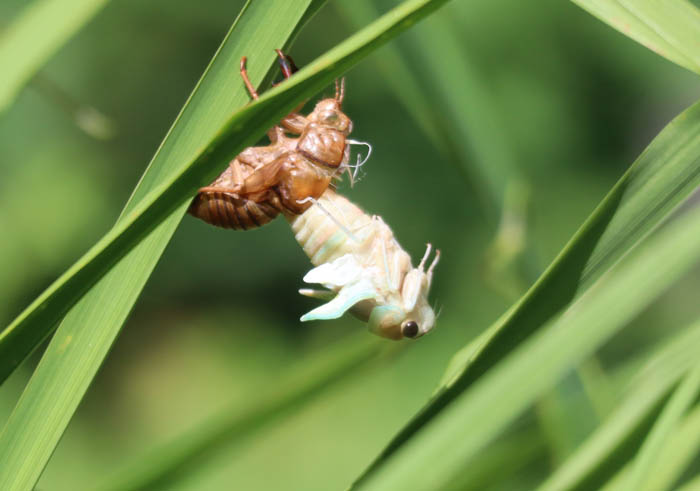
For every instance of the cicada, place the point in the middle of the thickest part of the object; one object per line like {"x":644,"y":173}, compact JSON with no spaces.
{"x":285,"y":176}
{"x":364,"y":269}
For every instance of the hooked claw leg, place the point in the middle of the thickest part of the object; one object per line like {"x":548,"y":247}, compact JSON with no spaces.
{"x":287,"y":65}
{"x":244,"y":75}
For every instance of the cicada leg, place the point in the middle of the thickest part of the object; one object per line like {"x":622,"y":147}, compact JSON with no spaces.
{"x":431,"y":268}
{"x":428,"y":248}
{"x":292,"y":122}
{"x":320,"y":294}
{"x":273,"y":133}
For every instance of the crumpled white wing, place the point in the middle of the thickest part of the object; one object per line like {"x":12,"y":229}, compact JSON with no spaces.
{"x":347,"y":297}
{"x":343,"y":271}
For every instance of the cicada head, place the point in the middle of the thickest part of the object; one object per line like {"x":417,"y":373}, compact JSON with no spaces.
{"x":328,"y":112}
{"x":413,"y":316}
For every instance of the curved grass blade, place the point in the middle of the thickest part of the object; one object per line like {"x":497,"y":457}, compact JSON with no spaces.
{"x":39,"y":31}
{"x":666,"y":173}
{"x":670,"y":29}
{"x":172,"y":190}
{"x":170,"y":462}
{"x":75,"y":354}
{"x":440,"y":450}
{"x":619,"y":437}
{"x":473,"y":120}
{"x":502,"y":461}
{"x":681,"y":400}
{"x":396,"y":72}
{"x":691,"y":485}
{"x":460,"y":121}
{"x":464,"y":125}
{"x":677,"y":454}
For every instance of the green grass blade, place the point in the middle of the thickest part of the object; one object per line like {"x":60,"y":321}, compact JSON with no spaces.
{"x":670,"y":29}
{"x":691,"y":485}
{"x":463,"y":118}
{"x":170,"y":462}
{"x":502,"y":459}
{"x":472,"y":119}
{"x":677,"y":455}
{"x":465,"y":126}
{"x":616,"y":440}
{"x":78,"y":349}
{"x":439,"y":451}
{"x":394,"y":69}
{"x":677,"y":452}
{"x":661,"y":178}
{"x":173,"y":188}
{"x":597,"y":386}
{"x":673,"y":413}
{"x":39,"y":31}
{"x":87,"y":333}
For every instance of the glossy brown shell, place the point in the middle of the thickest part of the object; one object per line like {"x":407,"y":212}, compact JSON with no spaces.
{"x":285,"y":176}
{"x":226,"y":210}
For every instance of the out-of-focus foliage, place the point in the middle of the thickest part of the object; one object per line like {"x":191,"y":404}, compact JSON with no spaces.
{"x":86,"y":335}
{"x":577,"y":101}
{"x":34,"y":35}
{"x":670,"y":29}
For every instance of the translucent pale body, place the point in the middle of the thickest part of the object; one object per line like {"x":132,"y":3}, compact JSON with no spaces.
{"x":364,"y":269}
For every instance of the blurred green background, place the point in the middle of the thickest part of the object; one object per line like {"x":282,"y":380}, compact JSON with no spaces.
{"x":576,"y":102}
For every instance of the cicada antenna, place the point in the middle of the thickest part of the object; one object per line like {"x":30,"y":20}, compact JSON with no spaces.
{"x":434,"y":263}
{"x":340,"y":90}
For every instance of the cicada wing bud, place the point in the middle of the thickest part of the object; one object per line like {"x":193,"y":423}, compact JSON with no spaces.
{"x":346,"y":298}
{"x":412,"y":286}
{"x":343,"y":271}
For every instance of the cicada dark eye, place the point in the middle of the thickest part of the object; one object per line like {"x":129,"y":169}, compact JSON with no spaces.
{"x":409,"y":329}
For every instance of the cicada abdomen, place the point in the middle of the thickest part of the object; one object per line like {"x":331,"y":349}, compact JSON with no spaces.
{"x":364,"y":269}
{"x":228,"y":211}
{"x":284,"y":176}
{"x":221,"y":208}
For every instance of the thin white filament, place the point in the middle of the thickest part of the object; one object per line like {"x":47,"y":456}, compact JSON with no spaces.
{"x":330,"y":215}
{"x":358,"y":164}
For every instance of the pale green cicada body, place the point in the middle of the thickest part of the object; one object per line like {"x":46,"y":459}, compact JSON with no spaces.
{"x":364,"y":269}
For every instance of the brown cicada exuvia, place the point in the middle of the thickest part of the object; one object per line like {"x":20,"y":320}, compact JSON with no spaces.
{"x":305,"y":154}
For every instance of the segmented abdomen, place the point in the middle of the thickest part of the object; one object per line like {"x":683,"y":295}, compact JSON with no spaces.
{"x":228,"y":211}
{"x":324,"y":238}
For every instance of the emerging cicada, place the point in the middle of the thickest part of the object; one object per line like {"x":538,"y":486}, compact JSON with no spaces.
{"x":285,"y":176}
{"x":364,"y":269}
